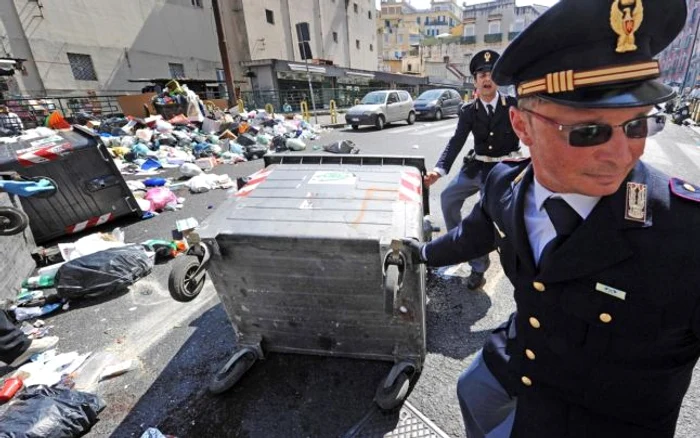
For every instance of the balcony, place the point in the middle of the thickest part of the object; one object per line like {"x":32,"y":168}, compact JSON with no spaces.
{"x":512,"y":35}
{"x":468,"y":39}
{"x":436,"y":23}
{"x":493,"y":38}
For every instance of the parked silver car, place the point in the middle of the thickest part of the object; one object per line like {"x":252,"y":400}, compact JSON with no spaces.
{"x":381,"y":107}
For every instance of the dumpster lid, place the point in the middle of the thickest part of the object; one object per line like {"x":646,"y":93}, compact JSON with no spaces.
{"x":325,"y":196}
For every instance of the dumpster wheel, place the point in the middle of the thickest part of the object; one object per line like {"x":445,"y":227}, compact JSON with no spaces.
{"x":233,"y":370}
{"x":391,"y":397}
{"x":182,"y":283}
{"x":12,"y":221}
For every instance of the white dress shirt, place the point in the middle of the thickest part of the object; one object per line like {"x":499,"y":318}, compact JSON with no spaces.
{"x":493,"y":103}
{"x":540,"y":229}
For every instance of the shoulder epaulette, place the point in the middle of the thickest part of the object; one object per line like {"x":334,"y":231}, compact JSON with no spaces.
{"x":684,"y":189}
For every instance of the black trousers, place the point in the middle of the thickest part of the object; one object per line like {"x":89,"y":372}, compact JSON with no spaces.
{"x":12,"y":341}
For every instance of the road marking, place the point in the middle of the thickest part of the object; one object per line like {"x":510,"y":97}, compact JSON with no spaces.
{"x":422,"y":128}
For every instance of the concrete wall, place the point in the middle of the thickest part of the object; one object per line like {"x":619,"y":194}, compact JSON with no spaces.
{"x":126,"y":39}
{"x":278,"y":40}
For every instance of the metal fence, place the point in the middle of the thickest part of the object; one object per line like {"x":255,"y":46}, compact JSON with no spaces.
{"x":343,"y":97}
{"x":34,"y":112}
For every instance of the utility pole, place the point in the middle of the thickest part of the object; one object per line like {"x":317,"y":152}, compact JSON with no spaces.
{"x":692,"y":52}
{"x":223,"y":49}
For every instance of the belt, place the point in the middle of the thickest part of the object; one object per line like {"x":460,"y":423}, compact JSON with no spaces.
{"x":488,"y":159}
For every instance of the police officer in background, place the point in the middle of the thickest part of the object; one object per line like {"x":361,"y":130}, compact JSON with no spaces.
{"x":494,"y":141}
{"x":601,"y":248}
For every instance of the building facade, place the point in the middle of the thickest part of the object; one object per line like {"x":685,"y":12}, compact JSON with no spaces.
{"x":71,"y":49}
{"x":679,"y":61}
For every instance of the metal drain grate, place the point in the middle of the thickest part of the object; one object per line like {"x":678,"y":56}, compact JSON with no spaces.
{"x":407,"y":422}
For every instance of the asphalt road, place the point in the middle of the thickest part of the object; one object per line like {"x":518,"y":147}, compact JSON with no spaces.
{"x":181,"y":346}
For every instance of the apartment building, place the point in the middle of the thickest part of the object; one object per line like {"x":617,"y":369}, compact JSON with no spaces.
{"x":404,"y":28}
{"x":681,"y":60}
{"x":74,"y":47}
{"x":441,"y":47}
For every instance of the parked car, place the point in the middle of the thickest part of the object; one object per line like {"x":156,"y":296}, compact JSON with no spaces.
{"x":381,"y":107}
{"x":436,"y":104}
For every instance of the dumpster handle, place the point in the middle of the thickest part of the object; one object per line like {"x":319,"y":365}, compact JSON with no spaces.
{"x":128,"y":200}
{"x":102,"y":151}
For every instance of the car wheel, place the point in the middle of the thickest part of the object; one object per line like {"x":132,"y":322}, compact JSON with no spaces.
{"x":411,"y":118}
{"x":438,"y":114}
{"x":379,"y":124}
{"x":355,"y":127}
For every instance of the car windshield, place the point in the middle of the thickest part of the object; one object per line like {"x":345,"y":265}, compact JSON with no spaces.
{"x":374,"y":98}
{"x":430,"y":95}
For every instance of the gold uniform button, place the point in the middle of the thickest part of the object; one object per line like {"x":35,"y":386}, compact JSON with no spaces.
{"x":490,"y":147}
{"x":534,"y":322}
{"x":530,"y":354}
{"x":605,"y":317}
{"x":492,"y":134}
{"x":539,"y":287}
{"x":688,"y":187}
{"x":526,"y":381}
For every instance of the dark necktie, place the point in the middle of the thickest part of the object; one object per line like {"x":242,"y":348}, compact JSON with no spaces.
{"x":565,"y":221}
{"x":489,"y":107}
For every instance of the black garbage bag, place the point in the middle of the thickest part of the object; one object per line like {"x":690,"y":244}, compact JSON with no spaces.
{"x":279,"y":143}
{"x":103,"y":272}
{"x":254,"y":151}
{"x":45,"y":412}
{"x":342,"y":147}
{"x":246,"y":140}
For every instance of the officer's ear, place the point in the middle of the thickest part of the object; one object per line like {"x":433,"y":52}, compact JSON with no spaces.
{"x":521,"y":125}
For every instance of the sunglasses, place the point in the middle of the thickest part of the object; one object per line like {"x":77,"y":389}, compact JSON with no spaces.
{"x":595,"y":134}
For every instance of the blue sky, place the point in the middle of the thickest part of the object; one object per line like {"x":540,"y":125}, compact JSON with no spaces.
{"x":425,"y":4}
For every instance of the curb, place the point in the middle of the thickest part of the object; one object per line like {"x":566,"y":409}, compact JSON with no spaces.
{"x":334,"y":125}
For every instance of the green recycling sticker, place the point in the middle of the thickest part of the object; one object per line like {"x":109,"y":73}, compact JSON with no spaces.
{"x":332,"y":177}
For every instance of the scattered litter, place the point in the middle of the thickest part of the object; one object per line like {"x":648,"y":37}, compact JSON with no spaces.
{"x":52,"y":412}
{"x":342,"y":147}
{"x":132,"y":309}
{"x":118,"y":369}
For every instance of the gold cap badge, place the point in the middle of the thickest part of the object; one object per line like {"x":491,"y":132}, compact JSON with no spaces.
{"x":487,"y":56}
{"x":625,"y":21}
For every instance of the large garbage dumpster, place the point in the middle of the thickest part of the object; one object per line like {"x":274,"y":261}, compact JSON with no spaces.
{"x":306,"y":258}
{"x":91,"y":190}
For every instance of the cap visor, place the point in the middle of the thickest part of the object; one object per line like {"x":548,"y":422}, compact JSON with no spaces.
{"x":614,"y":96}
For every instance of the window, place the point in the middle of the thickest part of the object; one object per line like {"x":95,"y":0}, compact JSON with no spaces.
{"x":393,"y":98}
{"x":335,"y":37}
{"x":357,"y":44}
{"x":404,"y":96}
{"x":197,"y":3}
{"x":176,"y":70}
{"x":371,"y":48}
{"x":386,"y":38}
{"x":495,"y":26}
{"x":270,"y":16}
{"x":369,"y":14}
{"x":409,"y":67}
{"x":518,"y":25}
{"x":82,"y":67}
{"x":355,"y":8}
{"x":399,"y":39}
{"x":417,"y":20}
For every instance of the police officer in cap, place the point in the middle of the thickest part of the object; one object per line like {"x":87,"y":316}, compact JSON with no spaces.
{"x":494,"y":141}
{"x":600,"y":247}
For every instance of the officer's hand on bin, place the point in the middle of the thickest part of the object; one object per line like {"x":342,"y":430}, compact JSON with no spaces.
{"x":430,"y":178}
{"x":415,"y":248}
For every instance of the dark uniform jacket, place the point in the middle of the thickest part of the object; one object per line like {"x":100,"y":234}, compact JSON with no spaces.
{"x":493,"y":136}
{"x":607,"y":335}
